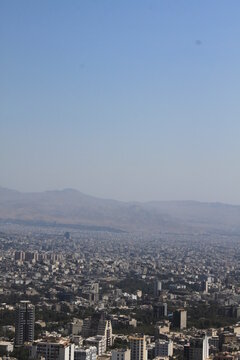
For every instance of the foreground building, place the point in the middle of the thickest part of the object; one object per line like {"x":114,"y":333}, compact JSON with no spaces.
{"x":52,"y":349}
{"x":85,"y":353}
{"x":197,"y":349}
{"x":121,"y":354}
{"x":163,"y":348}
{"x":99,"y":342}
{"x":24,"y":323}
{"x":105,"y":329}
{"x":138,"y":347}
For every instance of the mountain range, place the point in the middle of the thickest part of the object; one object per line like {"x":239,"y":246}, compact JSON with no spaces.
{"x":72,"y":208}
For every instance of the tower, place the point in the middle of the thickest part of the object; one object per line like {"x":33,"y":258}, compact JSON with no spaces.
{"x":24,"y":323}
{"x":105,"y":329}
{"x":159,"y":311}
{"x":180,"y":319}
{"x":157,"y":288}
{"x":198,"y":349}
{"x":138,"y":347}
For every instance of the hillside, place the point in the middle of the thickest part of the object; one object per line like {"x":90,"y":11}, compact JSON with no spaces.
{"x":72,"y":207}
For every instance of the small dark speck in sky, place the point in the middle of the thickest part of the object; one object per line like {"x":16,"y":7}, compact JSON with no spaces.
{"x":198,"y":42}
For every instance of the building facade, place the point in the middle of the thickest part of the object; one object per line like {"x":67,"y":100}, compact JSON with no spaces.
{"x":180,"y":319}
{"x":99,"y":342}
{"x":121,"y":354}
{"x":138,"y":347}
{"x":85,"y":353}
{"x":163,"y":348}
{"x":24,"y":323}
{"x":52,"y":349}
{"x":105,"y":329}
{"x":197,"y":349}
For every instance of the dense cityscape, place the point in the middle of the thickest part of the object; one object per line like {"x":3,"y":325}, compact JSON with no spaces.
{"x":119,"y":180}
{"x":87,"y":295}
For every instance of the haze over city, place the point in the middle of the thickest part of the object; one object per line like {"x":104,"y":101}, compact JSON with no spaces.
{"x":130,"y":100}
{"x":119,"y":180}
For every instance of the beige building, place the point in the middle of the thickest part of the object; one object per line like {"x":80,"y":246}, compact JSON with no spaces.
{"x":180,"y":319}
{"x":138,"y":347}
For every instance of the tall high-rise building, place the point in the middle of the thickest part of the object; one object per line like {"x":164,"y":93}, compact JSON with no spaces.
{"x":180,"y":319}
{"x":98,"y":324}
{"x":86,"y":328}
{"x":138,"y":347}
{"x":197,"y":349}
{"x":24,"y":323}
{"x":31,"y":256}
{"x":159,"y":311}
{"x":19,"y":255}
{"x":94,"y":293}
{"x":204,"y":286}
{"x":157,"y":288}
{"x":105,"y":329}
{"x":163,"y":348}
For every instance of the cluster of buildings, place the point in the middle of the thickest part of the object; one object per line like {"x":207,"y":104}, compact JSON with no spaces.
{"x":200,"y":346}
{"x":118,"y":296}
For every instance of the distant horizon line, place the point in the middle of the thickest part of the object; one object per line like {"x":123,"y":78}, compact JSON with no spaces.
{"x":117,"y":200}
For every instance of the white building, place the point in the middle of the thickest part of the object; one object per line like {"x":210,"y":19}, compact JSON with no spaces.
{"x":163,"y":348}
{"x":52,"y":349}
{"x":98,"y":341}
{"x":6,"y":346}
{"x":85,"y":353}
{"x":205,"y":347}
{"x":105,"y":329}
{"x":121,"y":354}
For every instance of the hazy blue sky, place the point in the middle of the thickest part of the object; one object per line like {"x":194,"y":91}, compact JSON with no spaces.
{"x":127,"y":99}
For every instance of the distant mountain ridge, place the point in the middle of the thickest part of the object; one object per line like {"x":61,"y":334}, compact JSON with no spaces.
{"x":72,"y":207}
